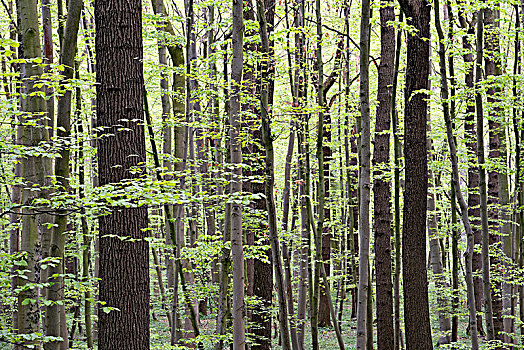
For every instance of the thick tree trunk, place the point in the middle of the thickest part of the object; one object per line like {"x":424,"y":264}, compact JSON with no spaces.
{"x":120,"y":94}
{"x":35,"y":169}
{"x":416,"y":308}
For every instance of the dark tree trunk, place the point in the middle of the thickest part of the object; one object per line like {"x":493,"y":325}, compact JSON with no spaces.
{"x":416,"y":308}
{"x":492,"y":68}
{"x":124,"y":263}
{"x":396,"y":193}
{"x":381,"y":184}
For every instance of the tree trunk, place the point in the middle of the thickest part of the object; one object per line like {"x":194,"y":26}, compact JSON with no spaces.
{"x":381,"y":187}
{"x":34,"y":168}
{"x":396,"y":193}
{"x":56,"y":326}
{"x":239,"y":339}
{"x":416,"y":308}
{"x":488,"y":305}
{"x":120,"y":94}
{"x":364,"y":184}
{"x":473,"y":174}
{"x":224,"y":305}
{"x":492,"y":68}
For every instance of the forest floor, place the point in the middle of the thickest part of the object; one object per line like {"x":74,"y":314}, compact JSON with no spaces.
{"x":327,"y":337}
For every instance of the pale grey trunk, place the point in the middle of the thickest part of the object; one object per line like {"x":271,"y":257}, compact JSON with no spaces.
{"x":35,"y":169}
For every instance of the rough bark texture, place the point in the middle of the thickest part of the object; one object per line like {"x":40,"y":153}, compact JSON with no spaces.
{"x":416,"y":309}
{"x":492,"y":67}
{"x":124,"y":263}
{"x":396,"y":193}
{"x":381,"y":185}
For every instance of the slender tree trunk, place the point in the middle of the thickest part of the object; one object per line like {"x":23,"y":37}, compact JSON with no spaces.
{"x":167,"y":140}
{"x":120,"y":94}
{"x":518,"y":133}
{"x":473,"y":174}
{"x":56,"y":326}
{"x":239,"y":341}
{"x":396,"y":193}
{"x":488,"y":308}
{"x":492,"y":68}
{"x":321,"y":179}
{"x":224,"y":309}
{"x":437,"y":268}
{"x":468,"y":254}
{"x":455,"y":262}
{"x":86,"y":235}
{"x":304,"y":183}
{"x":381,"y":187}
{"x":266,"y":69}
{"x":364,"y":180}
{"x":191,"y":306}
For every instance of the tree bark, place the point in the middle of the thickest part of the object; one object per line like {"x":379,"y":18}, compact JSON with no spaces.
{"x":396,"y":194}
{"x":381,"y":187}
{"x":120,"y":94}
{"x":488,"y":305}
{"x":35,"y":169}
{"x":238,"y":312}
{"x":55,"y":324}
{"x":492,"y":68}
{"x":364,"y":182}
{"x":416,"y":308}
